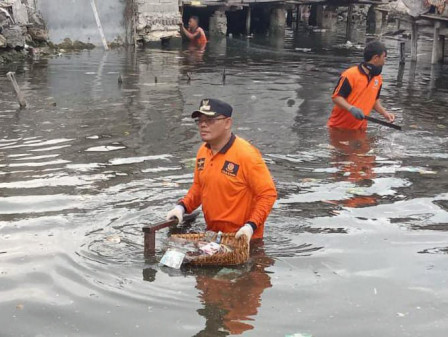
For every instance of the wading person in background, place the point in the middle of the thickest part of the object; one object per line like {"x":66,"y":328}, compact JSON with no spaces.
{"x":358,"y":91}
{"x":194,"y":33}
{"x":231,"y":180}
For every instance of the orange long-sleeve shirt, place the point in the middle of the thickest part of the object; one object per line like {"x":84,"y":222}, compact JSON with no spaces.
{"x":234,"y":187}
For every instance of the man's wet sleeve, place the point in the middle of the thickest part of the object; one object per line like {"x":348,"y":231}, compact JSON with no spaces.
{"x":343,"y":88}
{"x":262,"y":185}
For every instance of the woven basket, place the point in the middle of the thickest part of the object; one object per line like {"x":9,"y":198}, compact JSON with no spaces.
{"x":239,"y":255}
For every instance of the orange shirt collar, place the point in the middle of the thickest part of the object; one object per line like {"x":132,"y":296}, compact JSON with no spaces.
{"x":226,"y":147}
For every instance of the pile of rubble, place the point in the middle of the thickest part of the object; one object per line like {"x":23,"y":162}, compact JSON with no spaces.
{"x":21,"y":26}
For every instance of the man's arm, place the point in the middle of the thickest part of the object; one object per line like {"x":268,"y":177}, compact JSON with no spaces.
{"x":261,"y":183}
{"x":189,"y":35}
{"x":341,"y":102}
{"x":380,"y":109}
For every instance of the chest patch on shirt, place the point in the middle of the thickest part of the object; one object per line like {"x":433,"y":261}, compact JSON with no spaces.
{"x":200,"y":164}
{"x":230,"y":169}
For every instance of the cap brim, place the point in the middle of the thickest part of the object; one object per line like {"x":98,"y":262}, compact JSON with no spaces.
{"x":197,"y":113}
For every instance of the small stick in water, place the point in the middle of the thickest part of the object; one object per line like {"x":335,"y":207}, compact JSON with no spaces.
{"x":224,"y":76}
{"x":188,"y":77}
{"x":120,"y":79}
{"x":155,"y":79}
{"x":12,"y":77}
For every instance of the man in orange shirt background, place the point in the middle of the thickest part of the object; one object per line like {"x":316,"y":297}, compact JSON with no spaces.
{"x":194,"y":33}
{"x":231,"y":179}
{"x":358,"y":91}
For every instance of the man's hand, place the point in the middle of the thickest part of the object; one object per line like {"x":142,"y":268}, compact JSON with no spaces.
{"x":176,"y":212}
{"x":245,"y":230}
{"x":357,"y":113}
{"x":389,"y":116}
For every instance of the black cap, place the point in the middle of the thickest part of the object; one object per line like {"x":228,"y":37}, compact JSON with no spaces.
{"x":213,"y":107}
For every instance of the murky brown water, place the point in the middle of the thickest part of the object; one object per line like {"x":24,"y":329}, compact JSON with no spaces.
{"x":356,"y":245}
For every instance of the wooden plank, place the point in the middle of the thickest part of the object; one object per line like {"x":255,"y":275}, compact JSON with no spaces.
{"x":12,"y":77}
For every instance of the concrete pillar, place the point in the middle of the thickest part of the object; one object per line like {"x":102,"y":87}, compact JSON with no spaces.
{"x":289,"y":17}
{"x":297,"y":16}
{"x":248,"y":20}
{"x":319,"y":15}
{"x":349,"y":28}
{"x":435,"y":57}
{"x":414,"y":38}
{"x":218,"y":23}
{"x":277,"y":22}
{"x":442,"y":47}
{"x":330,"y":18}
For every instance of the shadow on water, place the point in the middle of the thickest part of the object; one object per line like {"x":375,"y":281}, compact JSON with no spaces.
{"x":358,"y":231}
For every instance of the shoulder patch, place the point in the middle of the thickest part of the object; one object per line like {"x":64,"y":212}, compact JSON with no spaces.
{"x":230,"y":169}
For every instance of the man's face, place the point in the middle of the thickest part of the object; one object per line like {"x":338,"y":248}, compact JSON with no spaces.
{"x":213,"y":128}
{"x":192,"y":23}
{"x":379,"y":60}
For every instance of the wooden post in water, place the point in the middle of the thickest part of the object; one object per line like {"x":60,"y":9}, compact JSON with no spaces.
{"x":402,"y":53}
{"x":98,"y":23}
{"x":12,"y":77}
{"x":414,"y":38}
{"x":297,"y":17}
{"x":248,"y":20}
{"x":442,"y":48}
{"x":348,"y":32}
{"x":436,"y":44}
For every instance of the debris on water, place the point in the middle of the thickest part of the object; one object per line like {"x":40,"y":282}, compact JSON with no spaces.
{"x":427,"y":172}
{"x":19,"y":306}
{"x":306,"y":50}
{"x":172,"y":258}
{"x":113,"y":238}
{"x":441,"y":126}
{"x":375,"y":291}
{"x":299,"y":334}
{"x":400,"y":314}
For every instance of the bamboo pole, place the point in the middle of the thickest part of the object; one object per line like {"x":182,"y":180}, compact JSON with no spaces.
{"x":98,"y":23}
{"x":12,"y":77}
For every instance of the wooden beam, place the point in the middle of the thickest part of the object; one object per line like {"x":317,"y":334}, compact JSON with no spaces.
{"x":12,"y":77}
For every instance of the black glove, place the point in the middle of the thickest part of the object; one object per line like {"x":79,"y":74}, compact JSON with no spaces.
{"x":357,"y":113}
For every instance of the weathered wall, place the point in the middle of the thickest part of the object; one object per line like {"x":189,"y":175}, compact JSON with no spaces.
{"x":74,"y":19}
{"x":157,"y":19}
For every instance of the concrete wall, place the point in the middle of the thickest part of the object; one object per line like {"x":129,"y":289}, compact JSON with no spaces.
{"x":157,"y":19}
{"x":74,"y":19}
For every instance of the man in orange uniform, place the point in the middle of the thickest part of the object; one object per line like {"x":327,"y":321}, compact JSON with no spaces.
{"x":194,"y":33}
{"x":231,"y":180}
{"x":358,"y":91}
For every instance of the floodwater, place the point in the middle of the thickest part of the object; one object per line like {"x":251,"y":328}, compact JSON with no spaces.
{"x":356,"y":245}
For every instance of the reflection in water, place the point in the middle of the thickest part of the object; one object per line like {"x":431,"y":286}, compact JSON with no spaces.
{"x":232,"y":296}
{"x":353,"y":162}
